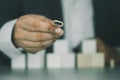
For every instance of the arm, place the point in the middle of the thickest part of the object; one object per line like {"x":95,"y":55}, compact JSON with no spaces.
{"x":31,"y":32}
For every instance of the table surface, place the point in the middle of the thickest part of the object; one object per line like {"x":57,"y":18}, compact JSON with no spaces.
{"x":61,"y":74}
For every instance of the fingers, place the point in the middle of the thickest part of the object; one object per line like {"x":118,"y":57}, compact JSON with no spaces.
{"x":35,"y":36}
{"x":30,"y":44}
{"x":34,"y":46}
{"x":32,"y":24}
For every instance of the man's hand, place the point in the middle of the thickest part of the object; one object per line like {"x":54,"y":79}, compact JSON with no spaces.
{"x":35,"y":32}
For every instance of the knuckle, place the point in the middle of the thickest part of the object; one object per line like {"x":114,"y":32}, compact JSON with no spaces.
{"x":38,"y":44}
{"x":41,"y":44}
{"x":43,"y":17}
{"x":35,"y":39}
{"x":39,"y":35}
{"x":35,"y":23}
{"x":31,"y":22}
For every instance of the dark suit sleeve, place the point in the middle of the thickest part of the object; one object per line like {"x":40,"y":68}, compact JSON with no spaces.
{"x":9,"y":9}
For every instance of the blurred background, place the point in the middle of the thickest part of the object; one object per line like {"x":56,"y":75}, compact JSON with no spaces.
{"x":90,"y":44}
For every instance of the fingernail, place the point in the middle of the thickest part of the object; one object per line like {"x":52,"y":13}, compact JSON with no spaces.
{"x":61,"y":33}
{"x":58,"y":30}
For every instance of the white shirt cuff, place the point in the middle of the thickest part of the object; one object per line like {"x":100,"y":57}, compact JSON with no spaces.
{"x":6,"y":45}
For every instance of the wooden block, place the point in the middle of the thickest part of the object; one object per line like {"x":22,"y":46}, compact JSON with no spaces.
{"x":61,"y":46}
{"x":112,"y":63}
{"x":89,"y":46}
{"x":68,"y":60}
{"x":18,"y":62}
{"x":98,"y":60}
{"x":53,"y":61}
{"x":90,"y":60}
{"x":83,"y":60}
{"x":36,"y":61}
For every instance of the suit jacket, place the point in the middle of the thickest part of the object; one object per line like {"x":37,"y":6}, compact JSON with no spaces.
{"x":107,"y":21}
{"x":106,"y":15}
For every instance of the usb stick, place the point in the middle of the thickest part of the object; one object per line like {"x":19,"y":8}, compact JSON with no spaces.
{"x":57,"y":23}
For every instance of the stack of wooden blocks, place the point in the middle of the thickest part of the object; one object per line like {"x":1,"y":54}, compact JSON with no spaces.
{"x":62,"y":58}
{"x":29,"y":61}
{"x":89,"y":57}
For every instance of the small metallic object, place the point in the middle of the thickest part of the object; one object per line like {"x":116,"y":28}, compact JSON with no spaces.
{"x":57,"y":23}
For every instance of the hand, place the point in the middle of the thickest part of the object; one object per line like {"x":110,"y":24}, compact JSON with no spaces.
{"x":35,"y":32}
